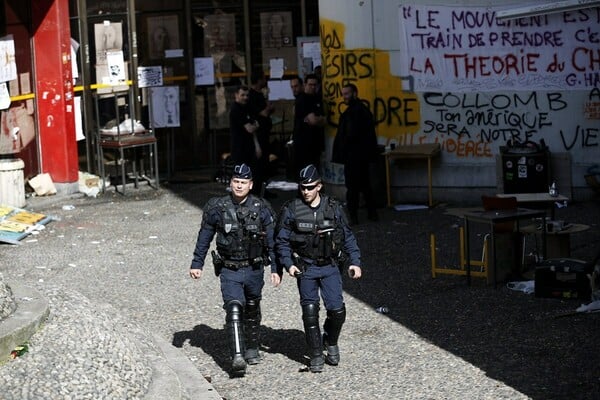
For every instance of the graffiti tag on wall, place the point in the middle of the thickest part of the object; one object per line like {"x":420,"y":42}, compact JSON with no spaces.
{"x":390,"y":98}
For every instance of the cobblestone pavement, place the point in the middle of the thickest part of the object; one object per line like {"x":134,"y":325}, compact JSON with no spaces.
{"x":125,"y":260}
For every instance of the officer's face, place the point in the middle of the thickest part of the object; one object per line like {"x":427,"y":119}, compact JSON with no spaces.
{"x":310,"y":191}
{"x":240,"y":187}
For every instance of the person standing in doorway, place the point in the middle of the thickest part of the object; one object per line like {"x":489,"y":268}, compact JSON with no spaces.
{"x":244,"y":225}
{"x":314,"y":243}
{"x":309,"y":120}
{"x":355,"y":146}
{"x":262,"y":110}
{"x":245,"y":148}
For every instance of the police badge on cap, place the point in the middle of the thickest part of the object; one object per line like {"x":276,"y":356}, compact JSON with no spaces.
{"x":309,"y":174}
{"x":242,"y":171}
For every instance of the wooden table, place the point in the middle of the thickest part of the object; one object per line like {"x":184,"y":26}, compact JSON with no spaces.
{"x":415,"y":151}
{"x":123,"y":143}
{"x":493,"y":217}
{"x":558,"y":243}
{"x":536,"y":198}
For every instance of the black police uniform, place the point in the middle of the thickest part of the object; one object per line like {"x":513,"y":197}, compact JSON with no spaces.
{"x":244,"y":246}
{"x":315,"y":239}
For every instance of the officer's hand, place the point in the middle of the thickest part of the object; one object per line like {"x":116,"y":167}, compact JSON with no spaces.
{"x":275,"y":279}
{"x":293,"y":270}
{"x":354,"y":272}
{"x":195,"y":273}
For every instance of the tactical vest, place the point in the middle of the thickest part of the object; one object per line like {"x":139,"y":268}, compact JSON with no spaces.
{"x":316,"y":234}
{"x":241,"y":237}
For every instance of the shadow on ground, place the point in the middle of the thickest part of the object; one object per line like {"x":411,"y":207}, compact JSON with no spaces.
{"x":538,"y":346}
{"x":288,"y":342}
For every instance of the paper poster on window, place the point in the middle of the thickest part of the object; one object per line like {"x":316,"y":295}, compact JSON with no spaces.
{"x":219,"y":33}
{"x":276,"y":29}
{"x":74,"y":69}
{"x":204,"y":71}
{"x":150,"y":76}
{"x":312,"y":50}
{"x":116,"y":66}
{"x":163,"y":35}
{"x":280,"y":90}
{"x":4,"y":96}
{"x":276,"y":68}
{"x":108,"y":37}
{"x":164,"y":103}
{"x":78,"y":119}
{"x":8,"y":64}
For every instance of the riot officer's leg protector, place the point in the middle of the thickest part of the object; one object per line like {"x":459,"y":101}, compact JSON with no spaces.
{"x":235,"y":333}
{"x":332,"y":328}
{"x":252,"y":318}
{"x":312,"y":331}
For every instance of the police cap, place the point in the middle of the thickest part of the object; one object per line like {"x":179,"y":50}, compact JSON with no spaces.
{"x":309,"y":174}
{"x":242,"y":171}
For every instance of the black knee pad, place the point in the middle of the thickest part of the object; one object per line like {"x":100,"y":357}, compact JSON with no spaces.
{"x":333,"y":324}
{"x":234,"y":311}
{"x":310,"y":314}
{"x":337,"y":316}
{"x":252,"y":309}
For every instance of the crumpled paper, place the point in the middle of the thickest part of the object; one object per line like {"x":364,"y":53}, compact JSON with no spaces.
{"x":522,"y":286}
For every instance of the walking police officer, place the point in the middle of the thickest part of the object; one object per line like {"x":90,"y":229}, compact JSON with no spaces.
{"x":311,"y":240}
{"x":244,"y":225}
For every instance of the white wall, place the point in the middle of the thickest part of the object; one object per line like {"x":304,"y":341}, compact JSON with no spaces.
{"x":567,"y":120}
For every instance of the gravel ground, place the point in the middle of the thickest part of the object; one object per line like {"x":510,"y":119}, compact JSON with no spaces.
{"x":117,"y":266}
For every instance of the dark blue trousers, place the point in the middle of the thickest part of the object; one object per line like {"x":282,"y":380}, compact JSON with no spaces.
{"x":245,"y":283}
{"x":325,"y":279}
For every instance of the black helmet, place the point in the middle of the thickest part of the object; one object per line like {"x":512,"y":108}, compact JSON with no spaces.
{"x":242,"y":171}
{"x":309,"y":174}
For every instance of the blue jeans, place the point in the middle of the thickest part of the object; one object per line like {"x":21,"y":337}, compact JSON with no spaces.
{"x":326,"y":279}
{"x":245,"y":283}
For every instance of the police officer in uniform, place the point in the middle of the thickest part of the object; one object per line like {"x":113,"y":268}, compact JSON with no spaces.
{"x":312,"y":240}
{"x":244,"y":225}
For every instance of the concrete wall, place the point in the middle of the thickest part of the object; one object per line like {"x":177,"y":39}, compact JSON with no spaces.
{"x":471,"y":117}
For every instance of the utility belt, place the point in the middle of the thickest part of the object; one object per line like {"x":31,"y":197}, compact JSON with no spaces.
{"x":319,"y":261}
{"x":235,"y":265}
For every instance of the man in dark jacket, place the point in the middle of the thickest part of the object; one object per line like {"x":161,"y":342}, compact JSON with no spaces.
{"x":309,"y":120}
{"x":261,"y":109}
{"x":243,"y":127}
{"x":355,"y":146}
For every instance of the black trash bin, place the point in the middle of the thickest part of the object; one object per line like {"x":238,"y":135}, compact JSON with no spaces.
{"x":525,"y":168}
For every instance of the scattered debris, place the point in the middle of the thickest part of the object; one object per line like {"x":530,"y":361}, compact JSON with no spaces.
{"x":42,"y":185}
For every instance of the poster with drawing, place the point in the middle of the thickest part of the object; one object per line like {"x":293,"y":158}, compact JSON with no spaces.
{"x":276,"y":29}
{"x":17,"y":129}
{"x":164,"y":106}
{"x":8,"y":64}
{"x":163,"y":35}
{"x":219,"y":34}
{"x":108,"y":37}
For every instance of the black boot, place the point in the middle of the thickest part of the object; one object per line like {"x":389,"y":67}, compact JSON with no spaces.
{"x":310,"y":317}
{"x":235,"y":333}
{"x":252,"y":317}
{"x":331,"y":332}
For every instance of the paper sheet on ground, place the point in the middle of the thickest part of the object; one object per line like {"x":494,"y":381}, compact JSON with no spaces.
{"x":407,"y":207}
